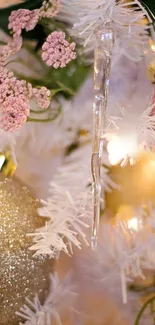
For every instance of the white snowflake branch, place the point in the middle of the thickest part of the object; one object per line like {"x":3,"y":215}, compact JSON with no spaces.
{"x":61,"y":299}
{"x":123,"y":250}
{"x":87,"y":16}
{"x":68,"y":219}
{"x":69,"y":207}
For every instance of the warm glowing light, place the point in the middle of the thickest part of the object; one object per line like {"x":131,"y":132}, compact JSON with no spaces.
{"x":134,"y":224}
{"x":149,"y":169}
{"x":2,"y":160}
{"x":152,"y":45}
{"x":115,"y":150}
{"x":121,"y":148}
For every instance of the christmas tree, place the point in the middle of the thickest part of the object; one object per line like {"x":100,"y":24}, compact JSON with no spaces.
{"x":77,"y":161}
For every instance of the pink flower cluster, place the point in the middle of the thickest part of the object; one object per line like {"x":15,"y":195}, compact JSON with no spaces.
{"x":15,"y":98}
{"x":23,"y":19}
{"x":15,"y":95}
{"x":27,"y":19}
{"x":16,"y":111}
{"x":42,"y":96}
{"x":57,"y":51}
{"x":14,"y":101}
{"x":50,"y":8}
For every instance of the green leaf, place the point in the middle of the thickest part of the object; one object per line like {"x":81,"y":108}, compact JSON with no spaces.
{"x":69,"y":78}
{"x":51,"y":25}
{"x":62,"y":89}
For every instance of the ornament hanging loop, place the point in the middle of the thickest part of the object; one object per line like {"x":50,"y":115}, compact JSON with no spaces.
{"x":102,"y":64}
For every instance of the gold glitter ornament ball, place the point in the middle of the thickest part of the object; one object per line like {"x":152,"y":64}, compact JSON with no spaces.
{"x":151,"y":72}
{"x":21,"y":275}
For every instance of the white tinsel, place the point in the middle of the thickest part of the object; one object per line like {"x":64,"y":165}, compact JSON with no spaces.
{"x":60,"y":299}
{"x":67,"y":222}
{"x":124,"y":251}
{"x":74,"y":175}
{"x":69,"y":207}
{"x":86,"y":16}
{"x":132,"y":133}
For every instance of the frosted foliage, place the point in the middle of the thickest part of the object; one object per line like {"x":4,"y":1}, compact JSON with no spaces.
{"x":133,"y":131}
{"x":61,"y":298}
{"x":123,"y":251}
{"x":85,"y":16}
{"x":67,"y":223}
{"x":69,"y":208}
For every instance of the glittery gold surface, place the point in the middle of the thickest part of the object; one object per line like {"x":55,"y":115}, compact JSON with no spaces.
{"x":151,"y":72}
{"x":21,"y":274}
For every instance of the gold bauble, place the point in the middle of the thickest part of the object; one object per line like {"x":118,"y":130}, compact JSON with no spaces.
{"x":137,"y":184}
{"x":21,"y":274}
{"x":151,"y":72}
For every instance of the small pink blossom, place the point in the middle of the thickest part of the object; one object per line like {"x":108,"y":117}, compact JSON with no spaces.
{"x":42,"y":96}
{"x":58,"y":52}
{"x":15,"y":96}
{"x":5,"y":75}
{"x":23,"y":19}
{"x":50,"y":8}
{"x":11,"y":86}
{"x":15,"y":113}
{"x":14,"y":101}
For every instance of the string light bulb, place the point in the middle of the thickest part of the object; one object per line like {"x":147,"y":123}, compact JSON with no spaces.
{"x":135,"y":224}
{"x":152,"y":45}
{"x":121,"y":149}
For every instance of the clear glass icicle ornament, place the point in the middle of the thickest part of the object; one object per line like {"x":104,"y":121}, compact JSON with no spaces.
{"x":102,"y":63}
